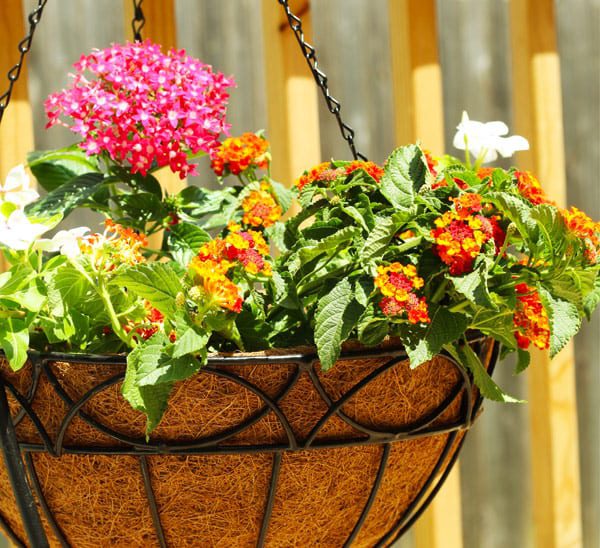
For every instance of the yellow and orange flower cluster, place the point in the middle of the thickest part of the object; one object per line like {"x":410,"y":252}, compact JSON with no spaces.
{"x":237,"y":154}
{"x":152,"y":323}
{"x":215,"y":259}
{"x":583,"y":227}
{"x":530,"y":188}
{"x":371,"y":168}
{"x":115,"y":246}
{"x":398,"y":283}
{"x":260,"y":207}
{"x":530,"y":319}
{"x":325,"y":171}
{"x":461,"y":233}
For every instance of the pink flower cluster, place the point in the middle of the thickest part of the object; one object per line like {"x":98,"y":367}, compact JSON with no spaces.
{"x":143,"y":106}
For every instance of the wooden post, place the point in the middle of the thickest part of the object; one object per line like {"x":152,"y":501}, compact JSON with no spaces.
{"x":292,"y":95}
{"x":161,"y":28}
{"x":16,"y":130}
{"x":416,"y":74}
{"x":538,"y":117}
{"x":419,"y":115}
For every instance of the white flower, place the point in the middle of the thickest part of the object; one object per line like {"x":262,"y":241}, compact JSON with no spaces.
{"x":16,"y":188}
{"x":18,"y":232}
{"x":65,"y":241}
{"x":484,"y":140}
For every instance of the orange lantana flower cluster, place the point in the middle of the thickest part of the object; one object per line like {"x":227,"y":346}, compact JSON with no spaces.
{"x":398,"y":283}
{"x":530,"y":188}
{"x":260,"y":207}
{"x":153,"y":322}
{"x":583,"y":227}
{"x":371,"y":168}
{"x":461,"y":233}
{"x":237,"y":154}
{"x":115,"y":246}
{"x":530,"y":319}
{"x":326,"y":172}
{"x":215,"y":259}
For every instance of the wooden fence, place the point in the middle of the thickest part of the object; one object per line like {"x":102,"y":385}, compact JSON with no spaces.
{"x":520,"y":469}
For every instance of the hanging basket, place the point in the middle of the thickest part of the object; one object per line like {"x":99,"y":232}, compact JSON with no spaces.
{"x":257,"y":449}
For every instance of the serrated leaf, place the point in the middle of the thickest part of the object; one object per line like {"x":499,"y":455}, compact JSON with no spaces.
{"x":488,"y":388}
{"x":552,"y":228}
{"x":379,"y":238}
{"x":331,"y":323}
{"x":283,"y":195}
{"x":592,"y":298}
{"x":404,"y":174}
{"x":423,"y":343}
{"x":474,"y":288}
{"x":563,"y":317}
{"x":67,"y":197}
{"x":158,"y":283}
{"x":328,"y":245}
{"x":184,"y":241}
{"x":372,"y":329}
{"x":523,"y":359}
{"x":518,"y":211}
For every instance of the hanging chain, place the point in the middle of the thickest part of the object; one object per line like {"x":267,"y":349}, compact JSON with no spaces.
{"x":320,"y":77}
{"x":24,"y":46}
{"x":138,"y":21}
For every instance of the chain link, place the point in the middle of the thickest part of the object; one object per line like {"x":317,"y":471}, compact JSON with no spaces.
{"x":24,"y":47}
{"x":309,"y":53}
{"x":138,"y":21}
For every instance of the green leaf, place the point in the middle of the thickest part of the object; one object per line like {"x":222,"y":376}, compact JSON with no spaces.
{"x":66,"y":198}
{"x":474,"y":288}
{"x":372,"y":329}
{"x":497,"y":324}
{"x":523,"y":359}
{"x":158,"y":283}
{"x":283,"y":194}
{"x":331,"y":323}
{"x":564,"y":320}
{"x":328,"y":245}
{"x":54,"y":168}
{"x":592,"y":298}
{"x":184,"y":241}
{"x":151,"y":400}
{"x":488,"y":388}
{"x":423,"y":343}
{"x":14,"y":341}
{"x":190,"y":338}
{"x":552,"y":229}
{"x":404,"y":174}
{"x":284,"y":290}
{"x":379,"y":238}
{"x":518,"y":211}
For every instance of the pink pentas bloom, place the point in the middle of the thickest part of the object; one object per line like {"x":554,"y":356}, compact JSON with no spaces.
{"x":143,"y":107}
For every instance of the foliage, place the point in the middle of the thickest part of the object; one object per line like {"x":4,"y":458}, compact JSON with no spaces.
{"x":421,"y":249}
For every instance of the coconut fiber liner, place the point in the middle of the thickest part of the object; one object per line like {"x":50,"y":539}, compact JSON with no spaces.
{"x":219,"y":496}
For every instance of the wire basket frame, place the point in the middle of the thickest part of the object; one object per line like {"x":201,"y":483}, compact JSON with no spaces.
{"x":23,"y":476}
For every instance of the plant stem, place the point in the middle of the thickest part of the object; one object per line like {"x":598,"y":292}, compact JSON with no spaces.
{"x":12,"y":314}
{"x":114,"y":320}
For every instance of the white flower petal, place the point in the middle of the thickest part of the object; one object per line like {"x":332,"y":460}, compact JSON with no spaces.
{"x":507,"y":146}
{"x":16,"y":179}
{"x":496,"y":128}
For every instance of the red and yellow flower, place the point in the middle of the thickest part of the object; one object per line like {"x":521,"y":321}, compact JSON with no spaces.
{"x":461,"y":233}
{"x":530,"y":188}
{"x":260,"y":207}
{"x":237,"y":154}
{"x":398,"y":283}
{"x":371,"y":168}
{"x":530,"y":319}
{"x":584,"y":228}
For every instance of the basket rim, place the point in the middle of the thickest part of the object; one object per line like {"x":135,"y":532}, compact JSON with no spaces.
{"x":352,"y":349}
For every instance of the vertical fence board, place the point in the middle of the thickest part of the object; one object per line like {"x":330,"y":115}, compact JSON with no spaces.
{"x":418,"y":115}
{"x":16,"y":131}
{"x":416,"y":73}
{"x":292,"y":108}
{"x":538,"y":115}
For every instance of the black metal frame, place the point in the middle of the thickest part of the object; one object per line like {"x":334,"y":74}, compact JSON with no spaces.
{"x":24,"y":479}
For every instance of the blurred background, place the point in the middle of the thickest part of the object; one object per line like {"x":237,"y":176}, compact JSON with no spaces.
{"x":353,"y":44}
